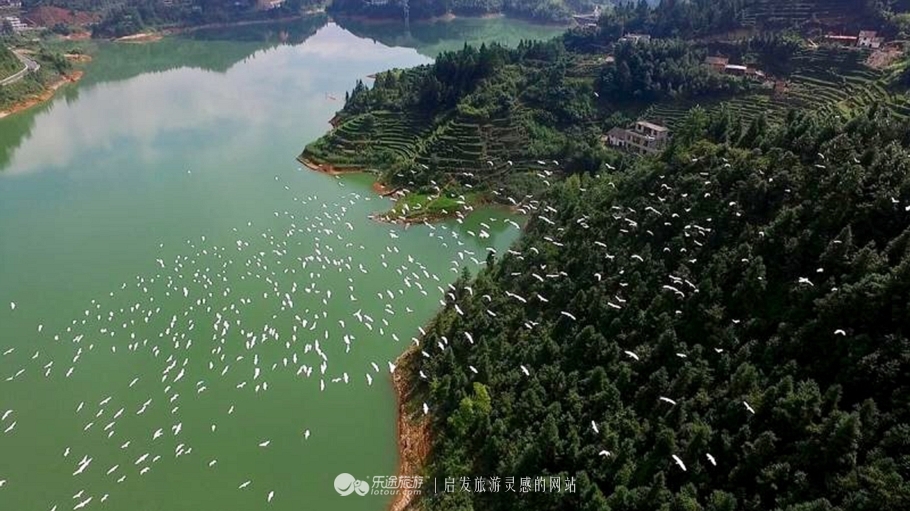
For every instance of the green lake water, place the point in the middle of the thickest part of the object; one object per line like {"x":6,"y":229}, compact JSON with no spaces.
{"x":173,"y":268}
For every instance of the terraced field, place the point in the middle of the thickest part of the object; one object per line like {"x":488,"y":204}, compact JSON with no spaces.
{"x":477,"y":150}
{"x":368,"y":139}
{"x":788,"y":12}
{"x":828,"y":79}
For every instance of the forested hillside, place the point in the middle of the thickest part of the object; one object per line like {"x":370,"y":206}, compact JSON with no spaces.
{"x":480,"y":118}
{"x":697,"y":18}
{"x":476,"y":122}
{"x":724,"y":328}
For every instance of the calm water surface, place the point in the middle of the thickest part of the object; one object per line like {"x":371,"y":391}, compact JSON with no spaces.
{"x":183,"y":289}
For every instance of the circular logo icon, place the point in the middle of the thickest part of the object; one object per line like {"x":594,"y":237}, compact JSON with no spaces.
{"x":345,"y":484}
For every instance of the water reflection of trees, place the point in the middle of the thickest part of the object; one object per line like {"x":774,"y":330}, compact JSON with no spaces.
{"x":214,"y":49}
{"x":433,"y":37}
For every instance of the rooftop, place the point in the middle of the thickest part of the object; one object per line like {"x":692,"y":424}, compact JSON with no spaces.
{"x":652,"y":126}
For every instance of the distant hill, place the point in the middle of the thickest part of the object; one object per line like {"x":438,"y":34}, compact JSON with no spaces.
{"x":698,"y":18}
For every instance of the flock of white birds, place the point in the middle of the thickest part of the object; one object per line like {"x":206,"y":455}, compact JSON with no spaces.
{"x":235,"y":317}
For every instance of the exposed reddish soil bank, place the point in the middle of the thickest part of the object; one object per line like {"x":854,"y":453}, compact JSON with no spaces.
{"x":413,"y":430}
{"x":48,"y":16}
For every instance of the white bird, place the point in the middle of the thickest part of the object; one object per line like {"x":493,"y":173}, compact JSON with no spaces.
{"x":265,"y":444}
{"x":568,"y":315}
{"x":632,"y":354}
{"x":12,"y":305}
{"x":840,"y":332}
{"x":748,"y":407}
{"x":525,"y":370}
{"x":244,"y":485}
{"x":679,"y":462}
{"x":594,"y":427}
{"x":667,"y":400}
{"x":711,"y":459}
{"x":271,"y":496}
{"x":426,"y":409}
{"x":306,"y":434}
{"x":605,"y":453}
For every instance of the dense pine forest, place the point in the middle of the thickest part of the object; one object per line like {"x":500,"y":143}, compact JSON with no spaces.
{"x":740,"y":303}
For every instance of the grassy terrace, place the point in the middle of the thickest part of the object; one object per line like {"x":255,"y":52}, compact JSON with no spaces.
{"x":417,"y":207}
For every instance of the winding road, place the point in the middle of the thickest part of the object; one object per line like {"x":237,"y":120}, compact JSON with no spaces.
{"x":28,"y":65}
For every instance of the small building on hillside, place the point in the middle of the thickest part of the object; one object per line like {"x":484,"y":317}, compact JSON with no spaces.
{"x":636,"y":38}
{"x":736,"y":70}
{"x":846,"y":40}
{"x":865,"y":39}
{"x":642,"y":138}
{"x":17,"y":24}
{"x":869,"y":39}
{"x":719,"y":64}
{"x":615,"y":137}
{"x":722,"y":65}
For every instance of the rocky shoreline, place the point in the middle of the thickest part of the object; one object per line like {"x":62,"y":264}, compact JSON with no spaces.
{"x":413,"y":429}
